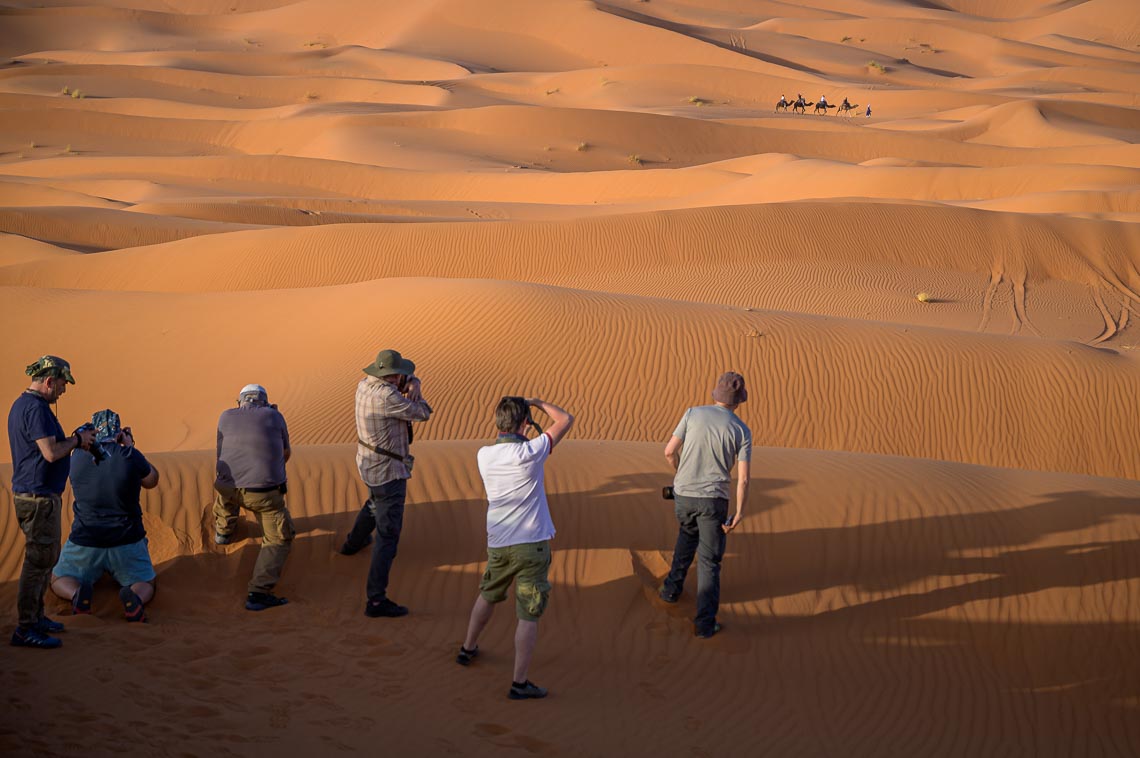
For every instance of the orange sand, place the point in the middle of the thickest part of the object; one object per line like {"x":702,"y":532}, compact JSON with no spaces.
{"x":595,"y":203}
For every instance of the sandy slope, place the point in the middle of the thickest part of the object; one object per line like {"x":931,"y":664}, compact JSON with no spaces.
{"x":868,"y":602}
{"x":596,"y":201}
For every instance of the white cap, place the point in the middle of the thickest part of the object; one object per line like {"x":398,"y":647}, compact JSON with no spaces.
{"x":250,"y":389}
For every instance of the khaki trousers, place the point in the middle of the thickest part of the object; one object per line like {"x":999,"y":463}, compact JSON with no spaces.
{"x":39,"y":521}
{"x":277,"y":529}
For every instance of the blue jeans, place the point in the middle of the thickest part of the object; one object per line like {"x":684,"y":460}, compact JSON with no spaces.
{"x":384,"y":512}
{"x":700,"y":535}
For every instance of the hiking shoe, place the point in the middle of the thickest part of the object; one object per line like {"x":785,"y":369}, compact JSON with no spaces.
{"x":348,"y":549}
{"x":31,"y":637}
{"x":466,"y":656}
{"x":259,"y":601}
{"x":132,"y":605}
{"x":385,"y":609}
{"x":81,"y":600}
{"x":47,"y":626}
{"x":526,"y":691}
{"x":668,"y":597}
{"x":223,"y":539}
{"x":707,"y":632}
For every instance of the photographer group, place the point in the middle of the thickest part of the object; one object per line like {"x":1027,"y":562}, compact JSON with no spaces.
{"x":108,"y":473}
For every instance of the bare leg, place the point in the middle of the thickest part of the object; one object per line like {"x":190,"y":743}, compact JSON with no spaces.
{"x":64,"y":586}
{"x":145,"y":591}
{"x":525,"y":637}
{"x":480,"y":615}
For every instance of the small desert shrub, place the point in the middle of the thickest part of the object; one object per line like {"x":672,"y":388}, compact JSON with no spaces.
{"x":76,"y":94}
{"x":697,"y":100}
{"x":876,"y":66}
{"x":845,"y":39}
{"x":582,"y":147}
{"x":552,"y":91}
{"x":924,"y":297}
{"x":635,"y":159}
{"x":311,"y":95}
{"x":65,"y":91}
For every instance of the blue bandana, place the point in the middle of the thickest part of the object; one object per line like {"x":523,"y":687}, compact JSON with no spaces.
{"x":107,"y":425}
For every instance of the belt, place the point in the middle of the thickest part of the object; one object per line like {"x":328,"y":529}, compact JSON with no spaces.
{"x":274,"y":488}
{"x":34,"y":496}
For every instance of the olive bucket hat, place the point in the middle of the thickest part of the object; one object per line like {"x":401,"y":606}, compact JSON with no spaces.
{"x":390,"y":362}
{"x":50,"y":365}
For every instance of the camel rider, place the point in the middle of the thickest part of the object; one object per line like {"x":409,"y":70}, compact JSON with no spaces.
{"x":846,"y":104}
{"x":822,"y":100}
{"x":783,"y":100}
{"x":799,"y":99}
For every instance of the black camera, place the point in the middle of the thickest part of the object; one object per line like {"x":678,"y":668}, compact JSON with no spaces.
{"x":95,"y":450}
{"x":667,"y":492}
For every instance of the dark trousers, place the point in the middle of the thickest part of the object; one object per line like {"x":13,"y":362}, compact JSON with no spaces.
{"x":700,"y":519}
{"x":39,"y":519}
{"x":384,"y":512}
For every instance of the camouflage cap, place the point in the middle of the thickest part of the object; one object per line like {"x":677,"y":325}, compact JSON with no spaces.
{"x":50,"y":366}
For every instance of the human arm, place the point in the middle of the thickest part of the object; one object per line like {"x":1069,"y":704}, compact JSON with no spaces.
{"x":673,"y":451}
{"x":150,"y":481}
{"x":407,"y":407}
{"x":743,"y":479}
{"x":562,"y":420}
{"x":53,"y":449}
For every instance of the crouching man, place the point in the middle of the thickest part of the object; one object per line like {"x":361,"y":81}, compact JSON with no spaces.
{"x":107,"y":534}
{"x":519,"y":530}
{"x":253,"y":446}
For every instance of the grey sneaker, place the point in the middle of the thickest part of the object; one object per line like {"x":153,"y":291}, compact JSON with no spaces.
{"x":223,"y":539}
{"x":526,"y":691}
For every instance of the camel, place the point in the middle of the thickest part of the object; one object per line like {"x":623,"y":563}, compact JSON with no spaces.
{"x":801,"y":107}
{"x":846,"y":108}
{"x":782,"y":105}
{"x":822,"y":107}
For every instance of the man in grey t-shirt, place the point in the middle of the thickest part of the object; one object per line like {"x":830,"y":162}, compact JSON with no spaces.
{"x":253,"y":445}
{"x":708,"y":443}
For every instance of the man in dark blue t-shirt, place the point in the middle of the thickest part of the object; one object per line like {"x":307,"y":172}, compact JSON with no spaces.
{"x":40,"y":464}
{"x":107,"y":534}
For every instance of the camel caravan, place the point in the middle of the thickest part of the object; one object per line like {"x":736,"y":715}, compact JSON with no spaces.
{"x":799,"y":105}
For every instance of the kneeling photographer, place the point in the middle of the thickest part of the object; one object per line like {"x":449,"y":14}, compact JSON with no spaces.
{"x":107,"y":533}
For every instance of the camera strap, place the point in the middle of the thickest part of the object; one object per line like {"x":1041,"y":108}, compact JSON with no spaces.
{"x":382,"y":451}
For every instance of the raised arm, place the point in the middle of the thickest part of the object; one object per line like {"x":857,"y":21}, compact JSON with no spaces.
{"x":52,"y":449}
{"x":562,"y":420}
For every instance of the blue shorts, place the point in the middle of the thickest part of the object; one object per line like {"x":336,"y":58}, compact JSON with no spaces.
{"x":126,"y":563}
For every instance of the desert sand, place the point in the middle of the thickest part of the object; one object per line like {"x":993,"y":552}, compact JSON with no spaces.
{"x":596,"y":203}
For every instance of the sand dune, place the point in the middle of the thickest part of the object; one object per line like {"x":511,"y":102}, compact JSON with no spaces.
{"x":1003,"y":592}
{"x":934,"y":306}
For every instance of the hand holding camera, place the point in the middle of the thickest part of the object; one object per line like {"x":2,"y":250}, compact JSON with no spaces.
{"x":86,"y":436}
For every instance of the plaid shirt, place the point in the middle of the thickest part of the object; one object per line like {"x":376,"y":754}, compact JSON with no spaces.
{"x":382,"y":416}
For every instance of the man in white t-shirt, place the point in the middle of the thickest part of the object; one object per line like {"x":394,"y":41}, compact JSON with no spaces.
{"x":519,"y":530}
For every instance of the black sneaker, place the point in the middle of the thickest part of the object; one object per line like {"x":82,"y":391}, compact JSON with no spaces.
{"x":30,"y":637}
{"x":707,"y":632}
{"x":347,"y":549}
{"x":465,"y":656}
{"x":259,"y":601}
{"x":528,"y":690}
{"x":667,"y":596}
{"x":385,"y":609}
{"x":47,"y":626}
